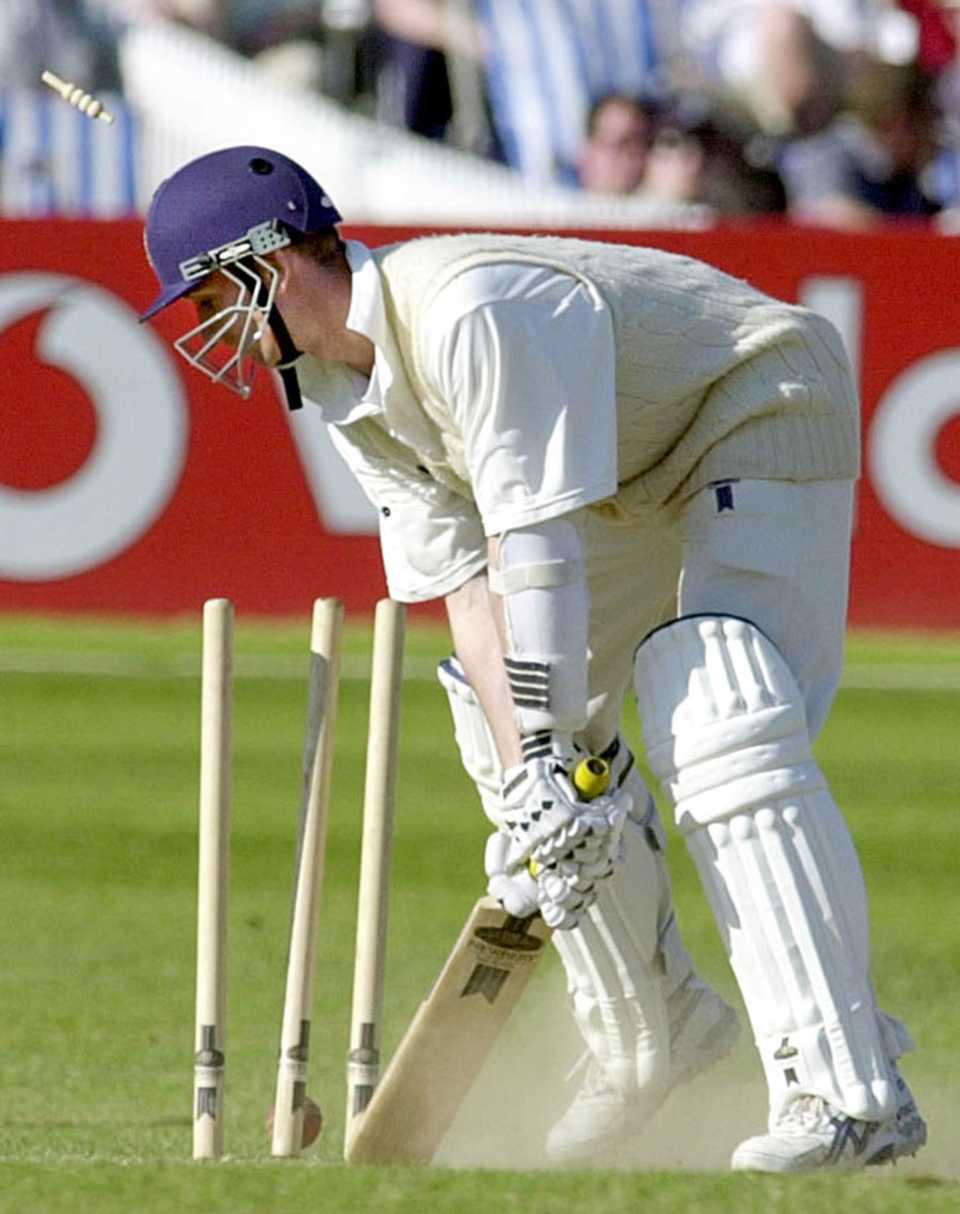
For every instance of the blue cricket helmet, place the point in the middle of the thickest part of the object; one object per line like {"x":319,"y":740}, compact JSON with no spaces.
{"x":224,"y":206}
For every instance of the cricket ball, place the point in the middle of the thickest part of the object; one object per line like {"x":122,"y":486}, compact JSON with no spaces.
{"x":312,"y":1122}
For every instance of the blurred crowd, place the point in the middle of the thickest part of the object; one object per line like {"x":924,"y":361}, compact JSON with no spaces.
{"x":838,"y":112}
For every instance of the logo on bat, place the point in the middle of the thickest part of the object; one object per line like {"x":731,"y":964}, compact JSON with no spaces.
{"x":499,"y":951}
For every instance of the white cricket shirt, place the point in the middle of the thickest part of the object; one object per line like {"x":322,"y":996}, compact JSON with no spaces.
{"x":523,"y":358}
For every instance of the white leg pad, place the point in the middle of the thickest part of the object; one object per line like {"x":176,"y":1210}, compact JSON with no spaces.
{"x":615,"y":973}
{"x":626,"y":958}
{"x":725,"y":733}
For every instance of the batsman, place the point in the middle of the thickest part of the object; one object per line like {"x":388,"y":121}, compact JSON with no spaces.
{"x":620,"y":468}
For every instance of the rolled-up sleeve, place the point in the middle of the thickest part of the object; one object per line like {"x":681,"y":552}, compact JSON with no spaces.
{"x":524,"y":361}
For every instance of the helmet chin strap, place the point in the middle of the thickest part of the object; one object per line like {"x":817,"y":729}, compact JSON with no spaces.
{"x":288,"y":356}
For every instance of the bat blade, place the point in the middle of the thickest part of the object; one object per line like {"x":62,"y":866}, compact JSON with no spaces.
{"x":449,"y":1038}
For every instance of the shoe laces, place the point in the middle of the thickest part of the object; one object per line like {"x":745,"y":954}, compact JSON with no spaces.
{"x":806,"y":1113}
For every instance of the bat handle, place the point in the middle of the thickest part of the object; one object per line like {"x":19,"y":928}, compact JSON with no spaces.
{"x":591,"y":777}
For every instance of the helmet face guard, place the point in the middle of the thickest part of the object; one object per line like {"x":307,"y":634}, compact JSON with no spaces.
{"x":225,"y":212}
{"x":221,"y":347}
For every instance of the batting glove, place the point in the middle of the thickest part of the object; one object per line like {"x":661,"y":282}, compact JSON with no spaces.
{"x":516,"y":890}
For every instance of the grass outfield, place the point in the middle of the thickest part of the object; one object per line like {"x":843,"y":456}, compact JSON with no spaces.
{"x":99,"y":745}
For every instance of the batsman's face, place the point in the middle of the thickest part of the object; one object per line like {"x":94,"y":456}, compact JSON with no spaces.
{"x":221,"y":298}
{"x":231,"y":336}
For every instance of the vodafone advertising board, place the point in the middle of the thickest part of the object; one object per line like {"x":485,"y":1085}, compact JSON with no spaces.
{"x":128,"y":483}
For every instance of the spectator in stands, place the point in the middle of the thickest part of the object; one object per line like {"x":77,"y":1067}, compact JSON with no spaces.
{"x":430,"y":76}
{"x":788,"y":61}
{"x":869,"y":163}
{"x":413,"y":87}
{"x":675,"y":153}
{"x":940,"y":44}
{"x":546,"y":62}
{"x":708,"y":155}
{"x":616,"y":152}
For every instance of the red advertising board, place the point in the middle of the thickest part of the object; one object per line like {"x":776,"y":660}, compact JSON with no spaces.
{"x":129,"y":484}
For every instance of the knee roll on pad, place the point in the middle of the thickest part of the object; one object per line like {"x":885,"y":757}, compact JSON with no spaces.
{"x":726,"y":734}
{"x":541,"y":579}
{"x":723,"y":718}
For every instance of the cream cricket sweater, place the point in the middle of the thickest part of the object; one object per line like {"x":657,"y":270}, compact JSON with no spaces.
{"x":714,"y":379}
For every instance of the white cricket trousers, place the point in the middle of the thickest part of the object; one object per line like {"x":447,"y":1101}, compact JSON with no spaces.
{"x":774,"y":552}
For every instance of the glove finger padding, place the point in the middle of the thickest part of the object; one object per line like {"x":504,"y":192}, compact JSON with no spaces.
{"x":598,"y":839}
{"x":573,"y":843}
{"x":539,"y":805}
{"x":515,"y":890}
{"x":558,"y":917}
{"x":567,"y":887}
{"x":563,"y":900}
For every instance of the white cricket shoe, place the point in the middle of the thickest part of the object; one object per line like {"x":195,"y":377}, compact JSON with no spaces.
{"x":812,"y":1136}
{"x":600,"y":1119}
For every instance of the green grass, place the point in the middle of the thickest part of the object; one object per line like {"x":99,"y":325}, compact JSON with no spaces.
{"x":97,"y":903}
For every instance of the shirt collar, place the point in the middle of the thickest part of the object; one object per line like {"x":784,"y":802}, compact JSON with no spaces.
{"x":344,"y":395}
{"x":366,"y":315}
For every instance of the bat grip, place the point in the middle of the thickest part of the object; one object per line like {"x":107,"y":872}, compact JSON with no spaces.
{"x":591,"y":777}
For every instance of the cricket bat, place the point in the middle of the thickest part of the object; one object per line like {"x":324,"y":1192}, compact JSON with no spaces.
{"x":449,"y":1038}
